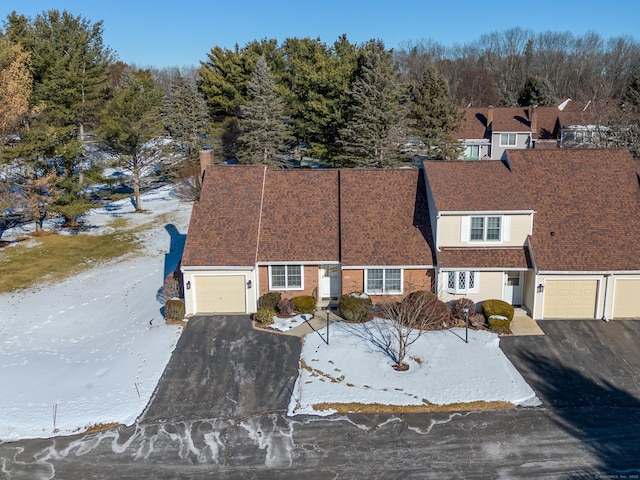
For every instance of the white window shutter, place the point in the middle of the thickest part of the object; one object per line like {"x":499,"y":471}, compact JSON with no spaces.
{"x":506,"y":228}
{"x":464,"y":229}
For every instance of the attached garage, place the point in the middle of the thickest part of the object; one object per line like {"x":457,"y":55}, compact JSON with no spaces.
{"x":220,"y":294}
{"x":570,"y":298}
{"x":626,"y":298}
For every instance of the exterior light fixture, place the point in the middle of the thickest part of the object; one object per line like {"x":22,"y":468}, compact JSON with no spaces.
{"x":188,"y":285}
{"x":249,"y":284}
{"x":540,"y":288}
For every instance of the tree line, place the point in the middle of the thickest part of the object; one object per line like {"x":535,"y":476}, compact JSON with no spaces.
{"x":362,"y":104}
{"x":65,"y":98}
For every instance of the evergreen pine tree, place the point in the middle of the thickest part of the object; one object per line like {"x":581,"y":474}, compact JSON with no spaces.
{"x":264,"y":132}
{"x":130,"y":120}
{"x":371,"y":134}
{"x":433,"y":116}
{"x":536,"y":91}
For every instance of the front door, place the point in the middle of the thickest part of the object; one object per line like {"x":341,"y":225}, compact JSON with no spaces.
{"x":513,"y":288}
{"x":331,"y":281}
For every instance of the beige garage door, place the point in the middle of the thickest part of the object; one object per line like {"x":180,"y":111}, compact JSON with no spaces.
{"x":221,"y":294}
{"x":626,"y":300}
{"x":570,"y":298}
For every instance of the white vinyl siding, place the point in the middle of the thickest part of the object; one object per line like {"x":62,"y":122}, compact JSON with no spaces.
{"x":285,"y":277}
{"x":381,"y":281}
{"x":455,"y":230}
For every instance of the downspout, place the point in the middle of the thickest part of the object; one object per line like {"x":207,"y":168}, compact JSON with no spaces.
{"x":606,"y":288}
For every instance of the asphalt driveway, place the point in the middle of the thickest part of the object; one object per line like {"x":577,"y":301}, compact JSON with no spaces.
{"x":221,"y":367}
{"x":580,"y":362}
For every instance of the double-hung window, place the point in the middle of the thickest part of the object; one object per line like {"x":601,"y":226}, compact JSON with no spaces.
{"x":379,"y":281}
{"x":507,"y":139}
{"x":285,"y":277}
{"x":462,"y":282}
{"x":485,"y":229}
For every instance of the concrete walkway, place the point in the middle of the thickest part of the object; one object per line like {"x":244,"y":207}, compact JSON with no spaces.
{"x":521,"y":325}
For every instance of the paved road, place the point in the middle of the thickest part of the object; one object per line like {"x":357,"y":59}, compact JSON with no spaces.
{"x":232,"y":437}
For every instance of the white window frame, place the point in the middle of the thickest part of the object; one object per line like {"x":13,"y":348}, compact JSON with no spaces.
{"x":385,"y":290}
{"x":466,"y":276}
{"x":471,"y":157}
{"x":485,"y":229}
{"x":508,"y":137}
{"x":286,"y":277}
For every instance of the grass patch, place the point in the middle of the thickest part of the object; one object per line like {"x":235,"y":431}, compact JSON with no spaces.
{"x":56,"y":257}
{"x":356,"y":407}
{"x":101,"y":427}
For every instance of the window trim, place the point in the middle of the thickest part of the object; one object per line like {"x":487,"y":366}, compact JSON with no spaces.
{"x":508,"y":135}
{"x":485,"y":229}
{"x":467,"y":275}
{"x":472,"y":157}
{"x":286,"y":277}
{"x":384,"y":281}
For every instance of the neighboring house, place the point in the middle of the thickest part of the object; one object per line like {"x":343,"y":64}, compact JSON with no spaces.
{"x":487,"y":133}
{"x":321,"y":232}
{"x":553,"y":231}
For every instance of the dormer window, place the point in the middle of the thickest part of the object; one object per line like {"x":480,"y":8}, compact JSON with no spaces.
{"x":485,"y":229}
{"x":507,"y":139}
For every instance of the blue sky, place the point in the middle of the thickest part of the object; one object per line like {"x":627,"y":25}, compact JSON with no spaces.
{"x":165,"y":33}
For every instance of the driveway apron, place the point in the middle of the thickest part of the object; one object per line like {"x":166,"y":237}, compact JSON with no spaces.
{"x":221,"y":367}
{"x":580,"y":362}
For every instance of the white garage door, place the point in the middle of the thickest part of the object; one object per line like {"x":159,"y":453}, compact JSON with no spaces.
{"x":220,"y":294}
{"x":626,"y":300}
{"x":570,"y":298}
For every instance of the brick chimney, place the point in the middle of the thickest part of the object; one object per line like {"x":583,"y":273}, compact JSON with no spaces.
{"x":534,"y":119}
{"x":490,"y":118}
{"x":206,"y":159}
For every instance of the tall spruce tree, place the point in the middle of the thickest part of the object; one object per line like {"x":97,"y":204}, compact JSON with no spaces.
{"x":130,"y":120}
{"x":371,"y":135}
{"x":433,"y":116}
{"x":264,"y":131}
{"x":186,"y":120}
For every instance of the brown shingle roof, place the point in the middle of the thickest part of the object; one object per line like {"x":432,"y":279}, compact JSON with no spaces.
{"x":474,"y":124}
{"x":477,"y":125}
{"x":504,"y":258}
{"x":385,"y":218}
{"x":485,"y":185}
{"x":587,"y":204}
{"x":384,"y":215}
{"x":223,"y":230}
{"x":300,"y":219}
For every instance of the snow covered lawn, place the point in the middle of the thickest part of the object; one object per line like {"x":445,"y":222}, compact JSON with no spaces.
{"x":443,"y":370}
{"x":91,"y":349}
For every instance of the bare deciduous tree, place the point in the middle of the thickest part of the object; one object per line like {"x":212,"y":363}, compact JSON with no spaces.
{"x":407,"y":320}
